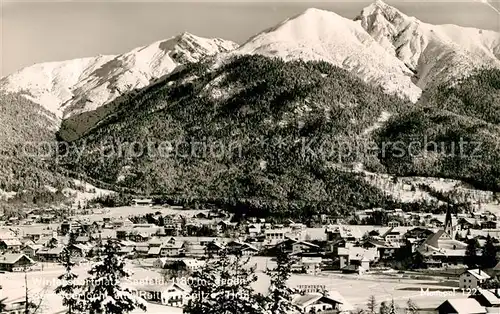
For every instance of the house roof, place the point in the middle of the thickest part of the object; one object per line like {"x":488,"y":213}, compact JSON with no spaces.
{"x":307,"y":244}
{"x":478,"y":273}
{"x":489,"y":295}
{"x":154,"y":250}
{"x":463,"y":306}
{"x":306,"y":299}
{"x":34,"y":246}
{"x":309,"y":298}
{"x":248,"y":246}
{"x":11,"y":242}
{"x":141,"y":249}
{"x":56,"y":251}
{"x":191,"y":262}
{"x":8,"y":258}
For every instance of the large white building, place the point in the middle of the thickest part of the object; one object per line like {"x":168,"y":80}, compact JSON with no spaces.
{"x":472,"y":279}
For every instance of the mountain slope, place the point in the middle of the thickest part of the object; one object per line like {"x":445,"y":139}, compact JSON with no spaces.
{"x":237,"y":133}
{"x":323,"y":35}
{"x":26,"y":147}
{"x":435,"y":53}
{"x":454,"y":131}
{"x":71,"y":87}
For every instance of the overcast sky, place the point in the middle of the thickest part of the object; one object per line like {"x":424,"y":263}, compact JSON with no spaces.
{"x":40,"y":31}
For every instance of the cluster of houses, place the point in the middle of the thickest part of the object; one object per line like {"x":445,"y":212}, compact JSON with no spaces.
{"x":397,"y":218}
{"x":174,"y":242}
{"x":335,"y":246}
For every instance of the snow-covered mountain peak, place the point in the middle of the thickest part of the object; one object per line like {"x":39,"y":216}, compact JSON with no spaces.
{"x":380,"y":7}
{"x":323,"y":35}
{"x":71,"y":87}
{"x":435,"y":53}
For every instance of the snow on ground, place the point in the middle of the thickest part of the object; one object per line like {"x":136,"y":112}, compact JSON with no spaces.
{"x":384,"y":116}
{"x":5,"y":195}
{"x":126,"y":211}
{"x":89,"y":192}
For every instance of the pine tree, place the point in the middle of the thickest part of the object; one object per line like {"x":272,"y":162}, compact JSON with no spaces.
{"x":102,"y":292}
{"x":489,"y":253}
{"x":3,"y":306}
{"x":72,"y":238}
{"x":372,"y":305}
{"x":392,"y":308}
{"x":384,"y":308}
{"x":471,"y":253}
{"x":222,"y":286}
{"x":68,"y":289}
{"x":280,"y":295}
{"x":411,"y":307}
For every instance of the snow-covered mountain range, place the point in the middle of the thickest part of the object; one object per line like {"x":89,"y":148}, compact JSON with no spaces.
{"x":71,"y":87}
{"x":435,"y":53}
{"x":382,"y":46}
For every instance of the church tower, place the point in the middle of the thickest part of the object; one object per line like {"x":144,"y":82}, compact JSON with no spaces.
{"x":448,"y":224}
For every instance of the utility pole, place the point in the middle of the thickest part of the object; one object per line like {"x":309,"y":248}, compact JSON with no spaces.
{"x":26,"y":305}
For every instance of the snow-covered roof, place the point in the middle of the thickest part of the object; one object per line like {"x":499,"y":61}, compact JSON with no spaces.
{"x":478,"y":273}
{"x":468,"y":305}
{"x":11,"y":258}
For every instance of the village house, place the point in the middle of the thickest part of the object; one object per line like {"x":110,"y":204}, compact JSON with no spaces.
{"x":14,"y":306}
{"x":273,"y":236}
{"x":346,"y":233}
{"x":142,"y":202}
{"x":487,"y":298}
{"x":173,"y":294}
{"x":305,"y":248}
{"x":254,"y":230}
{"x":213,"y":248}
{"x":14,"y":262}
{"x":141,"y":249}
{"x":392,"y":236}
{"x":318,"y":302}
{"x":31,"y":249}
{"x":309,"y":265}
{"x":169,"y":249}
{"x":465,"y":306}
{"x":47,"y":254}
{"x":472,"y":279}
{"x":161,"y":262}
{"x":357,"y":256}
{"x":385,"y":250}
{"x":12,"y":246}
{"x":79,"y":249}
{"x":490,"y":224}
{"x":242,"y":248}
{"x":466,"y":223}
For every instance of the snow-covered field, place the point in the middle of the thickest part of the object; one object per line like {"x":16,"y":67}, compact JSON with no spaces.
{"x":126,"y":211}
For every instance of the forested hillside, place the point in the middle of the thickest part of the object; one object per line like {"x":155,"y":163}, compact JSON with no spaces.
{"x":255,"y":129}
{"x":457,"y":131}
{"x":26,"y":149}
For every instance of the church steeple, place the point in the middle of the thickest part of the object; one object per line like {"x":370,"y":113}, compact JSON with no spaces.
{"x":448,"y":223}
